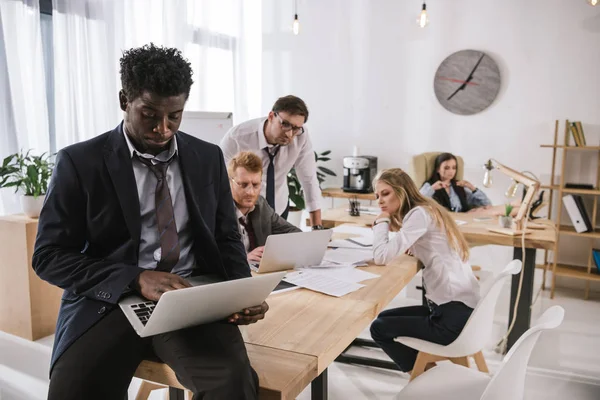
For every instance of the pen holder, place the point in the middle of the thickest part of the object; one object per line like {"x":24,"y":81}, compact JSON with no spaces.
{"x":354,"y":208}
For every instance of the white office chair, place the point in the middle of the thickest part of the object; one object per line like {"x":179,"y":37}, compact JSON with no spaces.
{"x":450,"y":381}
{"x":474,"y":335}
{"x":24,"y":368}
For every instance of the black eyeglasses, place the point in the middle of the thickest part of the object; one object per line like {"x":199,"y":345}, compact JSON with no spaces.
{"x":286,"y":126}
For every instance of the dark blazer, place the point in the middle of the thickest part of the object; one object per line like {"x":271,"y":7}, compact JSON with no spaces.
{"x":265,"y":221}
{"x":89,"y":227}
{"x":441,"y":196}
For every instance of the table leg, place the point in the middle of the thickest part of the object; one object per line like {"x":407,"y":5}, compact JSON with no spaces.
{"x":318,"y":387}
{"x":524,"y":307}
{"x":176,"y":394}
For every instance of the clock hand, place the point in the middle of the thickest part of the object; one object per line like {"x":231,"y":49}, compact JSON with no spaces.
{"x":474,"y":68}
{"x":464,"y":85}
{"x":458,"y":81}
{"x":461,"y":87}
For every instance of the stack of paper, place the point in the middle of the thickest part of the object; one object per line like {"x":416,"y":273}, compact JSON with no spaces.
{"x":348,"y":256}
{"x":322,"y":283}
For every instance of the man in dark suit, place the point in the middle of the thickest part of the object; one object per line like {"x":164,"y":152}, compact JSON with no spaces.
{"x":256,"y":219}
{"x":140,"y":209}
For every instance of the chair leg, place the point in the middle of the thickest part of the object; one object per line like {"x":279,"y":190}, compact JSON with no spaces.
{"x":145,"y":389}
{"x":464,"y":361}
{"x":480,"y":361}
{"x":420,"y":364}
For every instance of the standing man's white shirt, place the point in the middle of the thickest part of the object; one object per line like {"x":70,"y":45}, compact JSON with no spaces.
{"x":299,"y":154}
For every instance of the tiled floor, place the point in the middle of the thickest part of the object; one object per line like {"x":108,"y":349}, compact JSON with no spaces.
{"x":565,"y":364}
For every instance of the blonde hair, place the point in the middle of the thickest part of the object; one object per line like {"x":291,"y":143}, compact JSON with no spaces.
{"x":245,"y":159}
{"x":410,"y":197}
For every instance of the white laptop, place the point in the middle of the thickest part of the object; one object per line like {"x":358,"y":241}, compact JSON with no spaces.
{"x":203,"y":303}
{"x":290,"y":250}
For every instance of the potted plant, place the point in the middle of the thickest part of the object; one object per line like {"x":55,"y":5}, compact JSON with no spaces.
{"x":30,"y":174}
{"x":506,"y":220}
{"x":296,"y":193}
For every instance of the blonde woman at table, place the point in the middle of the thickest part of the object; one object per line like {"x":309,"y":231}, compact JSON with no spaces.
{"x":427,"y":231}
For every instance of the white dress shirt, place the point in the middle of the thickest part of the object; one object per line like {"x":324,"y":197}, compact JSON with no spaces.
{"x":299,"y":154}
{"x":446,"y":277}
{"x":146,"y":187}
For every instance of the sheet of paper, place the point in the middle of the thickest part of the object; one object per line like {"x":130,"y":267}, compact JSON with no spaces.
{"x":322,"y":283}
{"x":348,"y":256}
{"x":345,"y":273}
{"x":460,"y":222}
{"x":362,"y":231}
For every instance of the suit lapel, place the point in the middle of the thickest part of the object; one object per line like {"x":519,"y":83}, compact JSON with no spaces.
{"x":118,"y":162}
{"x":190,"y":172}
{"x":257,"y":226}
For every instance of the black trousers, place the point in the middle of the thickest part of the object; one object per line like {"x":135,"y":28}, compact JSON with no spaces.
{"x":210,"y":360}
{"x":437,"y":324}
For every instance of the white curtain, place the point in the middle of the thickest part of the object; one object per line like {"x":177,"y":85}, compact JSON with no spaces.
{"x":23,"y":107}
{"x":221,"y":39}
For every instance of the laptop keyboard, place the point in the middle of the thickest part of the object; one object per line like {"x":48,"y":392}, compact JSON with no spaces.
{"x":143,"y":310}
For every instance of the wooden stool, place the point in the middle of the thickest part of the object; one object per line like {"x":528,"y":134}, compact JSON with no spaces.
{"x":157,"y":375}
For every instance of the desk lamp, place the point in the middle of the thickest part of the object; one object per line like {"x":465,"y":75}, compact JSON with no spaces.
{"x":532,"y":186}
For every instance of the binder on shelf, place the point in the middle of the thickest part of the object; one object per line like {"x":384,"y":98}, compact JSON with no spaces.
{"x":596,"y":254}
{"x":577,"y":219}
{"x":583,"y":212}
{"x":575,"y":134}
{"x":580,"y":132}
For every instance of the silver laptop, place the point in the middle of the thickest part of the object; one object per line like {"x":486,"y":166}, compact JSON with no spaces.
{"x":207,"y":301}
{"x":290,"y":250}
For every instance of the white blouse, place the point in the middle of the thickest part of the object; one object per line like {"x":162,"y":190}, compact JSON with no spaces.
{"x":446,"y":277}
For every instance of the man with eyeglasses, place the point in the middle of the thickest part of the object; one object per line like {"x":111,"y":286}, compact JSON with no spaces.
{"x":282,"y":143}
{"x":256,"y":219}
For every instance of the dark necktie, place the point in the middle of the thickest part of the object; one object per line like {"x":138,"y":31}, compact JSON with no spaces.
{"x":165,"y":218}
{"x":271,"y":176}
{"x":250,"y":231}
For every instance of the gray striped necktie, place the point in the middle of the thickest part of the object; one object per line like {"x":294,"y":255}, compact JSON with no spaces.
{"x":165,"y":218}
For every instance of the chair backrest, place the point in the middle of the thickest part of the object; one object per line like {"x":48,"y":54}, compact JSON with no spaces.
{"x":422,"y":166}
{"x":509,"y":381}
{"x":478,"y":329}
{"x":30,"y":358}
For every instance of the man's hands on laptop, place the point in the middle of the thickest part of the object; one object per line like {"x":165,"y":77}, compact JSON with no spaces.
{"x":255,"y":255}
{"x":152,"y":284}
{"x":249,"y":315}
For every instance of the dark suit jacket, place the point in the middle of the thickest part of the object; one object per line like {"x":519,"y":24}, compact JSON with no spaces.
{"x":89,"y":227}
{"x":265,"y":221}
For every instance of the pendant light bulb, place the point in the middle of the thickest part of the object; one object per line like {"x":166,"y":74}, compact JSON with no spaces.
{"x":593,"y":2}
{"x":423,"y":19}
{"x":296,"y":25}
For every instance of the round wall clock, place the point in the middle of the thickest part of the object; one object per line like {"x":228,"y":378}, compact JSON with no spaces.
{"x":467,"y":82}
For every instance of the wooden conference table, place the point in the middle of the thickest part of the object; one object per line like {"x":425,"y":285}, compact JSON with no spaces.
{"x":477,"y":234}
{"x":304,"y":332}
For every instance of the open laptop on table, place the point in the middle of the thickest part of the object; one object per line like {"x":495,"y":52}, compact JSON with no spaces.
{"x":289,"y":250}
{"x":207,"y":301}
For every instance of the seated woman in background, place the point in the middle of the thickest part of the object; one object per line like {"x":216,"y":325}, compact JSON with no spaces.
{"x":457,"y":196}
{"x":429,"y":233}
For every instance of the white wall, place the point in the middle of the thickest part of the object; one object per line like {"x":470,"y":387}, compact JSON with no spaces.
{"x":366,"y":71}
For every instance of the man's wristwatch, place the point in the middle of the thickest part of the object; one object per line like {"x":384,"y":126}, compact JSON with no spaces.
{"x":317,"y":227}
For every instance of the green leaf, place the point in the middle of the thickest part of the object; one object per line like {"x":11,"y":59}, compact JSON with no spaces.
{"x":327,"y":171}
{"x":326,"y":153}
{"x":323,"y":159}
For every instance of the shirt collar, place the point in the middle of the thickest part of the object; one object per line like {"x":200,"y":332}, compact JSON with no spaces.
{"x":239,"y":214}
{"x":262,"y":140}
{"x":162,"y":157}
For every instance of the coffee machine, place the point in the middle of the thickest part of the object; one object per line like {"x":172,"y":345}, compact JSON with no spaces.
{"x":359,"y":172}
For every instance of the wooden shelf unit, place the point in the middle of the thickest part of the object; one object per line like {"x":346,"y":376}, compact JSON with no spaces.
{"x":573,"y":271}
